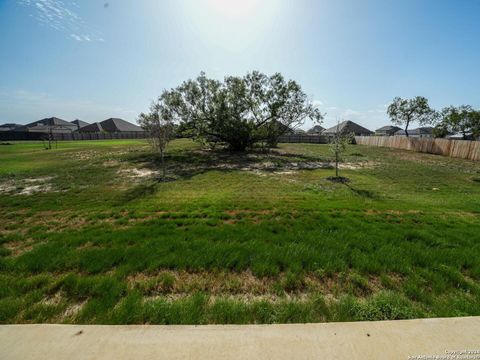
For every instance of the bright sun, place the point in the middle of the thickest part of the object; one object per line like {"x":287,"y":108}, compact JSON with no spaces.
{"x":234,"y":8}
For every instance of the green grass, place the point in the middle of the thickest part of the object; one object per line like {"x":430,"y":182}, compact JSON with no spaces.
{"x":234,"y":238}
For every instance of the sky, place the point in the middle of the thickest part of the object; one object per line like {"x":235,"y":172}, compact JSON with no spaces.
{"x":93,"y":60}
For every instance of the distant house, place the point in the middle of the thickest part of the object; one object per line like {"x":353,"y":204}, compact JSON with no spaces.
{"x":12,"y":127}
{"x":92,"y":128}
{"x":421,"y":132}
{"x":112,"y":125}
{"x":300,"y":132}
{"x":280,"y":128}
{"x":387,"y":130}
{"x":79,"y":123}
{"x":51,"y":125}
{"x":348,"y":127}
{"x":119,"y":125}
{"x":459,"y":136}
{"x":316,"y":130}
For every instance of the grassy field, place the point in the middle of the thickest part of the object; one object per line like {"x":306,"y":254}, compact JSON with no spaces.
{"x":88,"y":234}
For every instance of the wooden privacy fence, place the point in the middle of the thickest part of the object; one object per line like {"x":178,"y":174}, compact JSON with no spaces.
{"x":20,"y":135}
{"x":454,"y":148}
{"x":312,"y":139}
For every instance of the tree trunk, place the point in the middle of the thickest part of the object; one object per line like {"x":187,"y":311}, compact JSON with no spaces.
{"x":336,"y":162}
{"x":163,"y":164}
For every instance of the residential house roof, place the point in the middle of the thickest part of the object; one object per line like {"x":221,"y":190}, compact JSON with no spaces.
{"x":317,"y":129}
{"x":119,"y":125}
{"x":91,"y":128}
{"x":427,"y":130}
{"x":52,"y":124}
{"x":347,"y":127}
{"x":11,"y":127}
{"x":52,"y":121}
{"x":80,"y":123}
{"x":388,"y":128}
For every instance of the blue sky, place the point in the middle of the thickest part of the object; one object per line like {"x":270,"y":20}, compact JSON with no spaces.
{"x":92,"y":59}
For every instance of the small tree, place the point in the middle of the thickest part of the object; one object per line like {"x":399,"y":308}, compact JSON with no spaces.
{"x":338,"y":145}
{"x":159,"y":128}
{"x":403,"y":112}
{"x":49,"y":139}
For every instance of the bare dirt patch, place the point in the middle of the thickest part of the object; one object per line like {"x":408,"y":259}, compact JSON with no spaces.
{"x":357,"y":165}
{"x":83,"y":155}
{"x":138,"y":173}
{"x":111,"y":163}
{"x":28,"y":186}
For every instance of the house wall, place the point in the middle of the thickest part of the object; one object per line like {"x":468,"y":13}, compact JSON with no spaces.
{"x":21,"y":136}
{"x":454,"y":148}
{"x":311,"y":139}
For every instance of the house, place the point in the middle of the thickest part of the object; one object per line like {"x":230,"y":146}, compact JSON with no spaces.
{"x":316,"y":130}
{"x":112,"y":125}
{"x":280,"y":128}
{"x":348,"y":127}
{"x":92,"y":128}
{"x":119,"y":125}
{"x":300,"y":132}
{"x":79,"y":123}
{"x":12,"y":127}
{"x":51,"y":125}
{"x":387,"y":130}
{"x":421,"y":132}
{"x":460,"y":136}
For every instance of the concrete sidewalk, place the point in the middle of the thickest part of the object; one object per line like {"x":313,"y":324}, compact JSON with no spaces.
{"x":361,"y":340}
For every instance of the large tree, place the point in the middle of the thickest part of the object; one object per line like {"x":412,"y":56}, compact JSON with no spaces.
{"x":238,"y":111}
{"x":403,"y":112}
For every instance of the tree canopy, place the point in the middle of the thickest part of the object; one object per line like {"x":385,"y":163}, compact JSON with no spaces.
{"x":462,"y":119}
{"x":238,"y":111}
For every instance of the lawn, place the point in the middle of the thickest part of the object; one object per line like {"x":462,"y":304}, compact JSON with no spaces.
{"x":90,"y":235}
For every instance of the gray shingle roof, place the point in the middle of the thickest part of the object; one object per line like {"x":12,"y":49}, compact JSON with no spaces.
{"x":119,"y":125}
{"x":91,"y":128}
{"x":51,"y":124}
{"x":316,"y":129}
{"x":80,"y":123}
{"x":52,"y":121}
{"x":427,"y":130}
{"x":347,"y":127}
{"x":12,"y":127}
{"x":389,"y":128}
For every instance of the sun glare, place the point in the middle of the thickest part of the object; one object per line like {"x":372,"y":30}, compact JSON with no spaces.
{"x":234,"y":8}
{"x":231,"y":24}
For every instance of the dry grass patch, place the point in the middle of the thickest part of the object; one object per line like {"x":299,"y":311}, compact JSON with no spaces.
{"x":245,"y":285}
{"x":17,"y":248}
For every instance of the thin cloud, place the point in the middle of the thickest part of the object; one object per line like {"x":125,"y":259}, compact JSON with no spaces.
{"x":24,"y":106}
{"x":371,"y":118}
{"x":60,"y":16}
